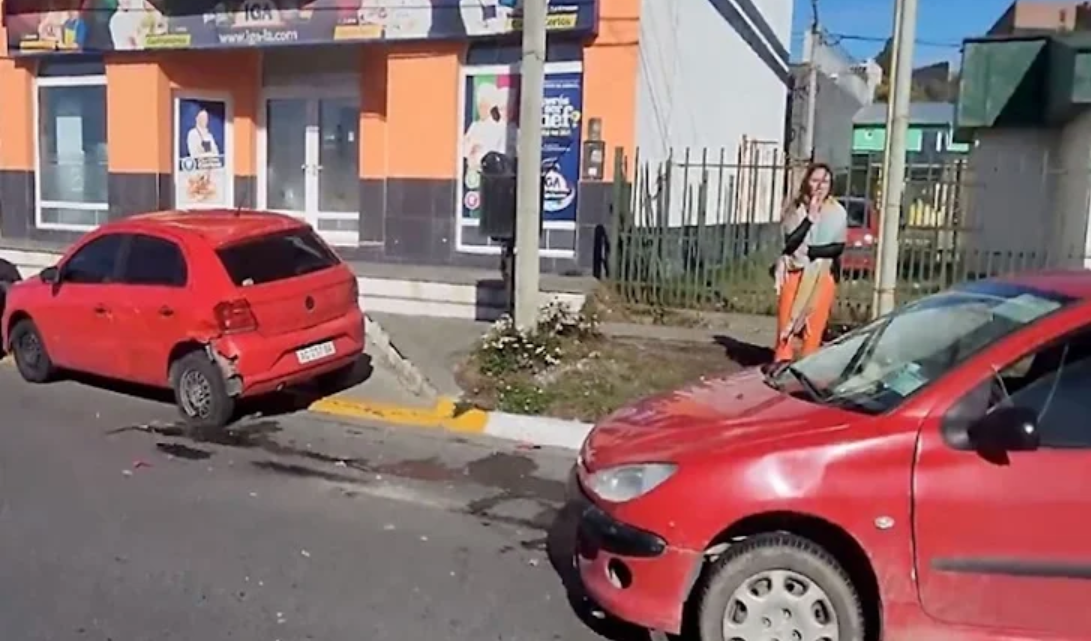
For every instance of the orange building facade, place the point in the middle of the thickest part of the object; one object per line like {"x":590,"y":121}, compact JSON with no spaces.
{"x":320,"y":108}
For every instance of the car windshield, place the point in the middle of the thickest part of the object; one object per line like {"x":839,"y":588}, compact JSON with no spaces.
{"x":877,"y":367}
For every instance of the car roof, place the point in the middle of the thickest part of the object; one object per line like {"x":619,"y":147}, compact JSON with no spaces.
{"x":1074,"y":283}
{"x":218,"y":227}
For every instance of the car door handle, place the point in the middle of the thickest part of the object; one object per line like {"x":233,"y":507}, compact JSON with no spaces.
{"x":100,"y":309}
{"x":166,"y":311}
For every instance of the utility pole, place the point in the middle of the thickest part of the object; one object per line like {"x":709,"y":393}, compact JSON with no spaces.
{"x":529,"y":173}
{"x":810,"y":43}
{"x":905,"y":28}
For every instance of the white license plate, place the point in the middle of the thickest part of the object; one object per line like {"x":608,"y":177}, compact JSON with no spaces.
{"x":315,"y":352}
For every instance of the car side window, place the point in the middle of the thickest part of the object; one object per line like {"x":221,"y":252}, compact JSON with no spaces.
{"x":96,"y":262}
{"x":156,"y":262}
{"x":1053,"y":381}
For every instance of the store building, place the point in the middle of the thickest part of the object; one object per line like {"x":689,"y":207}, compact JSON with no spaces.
{"x":365,"y":117}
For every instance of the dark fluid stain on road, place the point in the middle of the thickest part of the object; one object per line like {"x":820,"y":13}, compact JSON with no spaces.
{"x":428,"y":469}
{"x":303,"y":471}
{"x":512,"y":474}
{"x":178,"y":450}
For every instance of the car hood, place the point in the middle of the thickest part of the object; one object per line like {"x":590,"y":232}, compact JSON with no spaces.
{"x":710,"y":416}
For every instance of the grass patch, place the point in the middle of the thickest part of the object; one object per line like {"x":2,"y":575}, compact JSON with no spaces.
{"x":566,"y":368}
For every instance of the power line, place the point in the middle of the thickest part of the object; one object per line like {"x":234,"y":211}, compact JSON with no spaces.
{"x":838,"y":37}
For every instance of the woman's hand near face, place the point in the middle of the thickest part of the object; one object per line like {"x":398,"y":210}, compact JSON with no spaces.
{"x":814,"y":208}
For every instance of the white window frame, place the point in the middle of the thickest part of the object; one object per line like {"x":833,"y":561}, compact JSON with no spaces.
{"x":39,"y":204}
{"x":468,"y":71}
{"x":229,"y":144}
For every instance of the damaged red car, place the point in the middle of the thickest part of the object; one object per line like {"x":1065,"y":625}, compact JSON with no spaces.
{"x":923,"y":477}
{"x":216,"y":305}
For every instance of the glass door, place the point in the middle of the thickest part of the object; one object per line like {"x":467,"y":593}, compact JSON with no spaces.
{"x":338,"y":169}
{"x":285,"y":167}
{"x":311,"y":163}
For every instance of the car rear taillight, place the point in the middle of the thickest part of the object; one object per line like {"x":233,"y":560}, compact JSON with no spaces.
{"x":235,"y":316}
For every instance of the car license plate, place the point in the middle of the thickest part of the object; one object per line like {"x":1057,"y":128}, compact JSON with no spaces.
{"x":315,"y":352}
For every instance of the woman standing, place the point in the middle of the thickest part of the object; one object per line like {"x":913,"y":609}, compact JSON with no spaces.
{"x":815,"y":229}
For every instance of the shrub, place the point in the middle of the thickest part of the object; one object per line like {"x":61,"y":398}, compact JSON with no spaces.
{"x":507,"y":349}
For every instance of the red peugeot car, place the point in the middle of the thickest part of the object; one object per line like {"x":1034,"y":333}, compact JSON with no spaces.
{"x":924,"y":477}
{"x":216,"y":305}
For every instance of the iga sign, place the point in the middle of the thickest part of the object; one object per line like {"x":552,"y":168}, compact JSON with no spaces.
{"x":57,"y":26}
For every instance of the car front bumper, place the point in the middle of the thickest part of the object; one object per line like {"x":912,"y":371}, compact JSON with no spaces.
{"x":633,"y":574}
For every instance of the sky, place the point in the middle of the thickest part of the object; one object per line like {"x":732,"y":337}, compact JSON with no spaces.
{"x":939,"y":22}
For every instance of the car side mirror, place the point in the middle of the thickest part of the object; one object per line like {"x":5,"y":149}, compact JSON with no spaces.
{"x":50,"y":275}
{"x":1006,"y":429}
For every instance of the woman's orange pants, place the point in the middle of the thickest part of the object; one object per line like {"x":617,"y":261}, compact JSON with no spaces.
{"x":822,"y":305}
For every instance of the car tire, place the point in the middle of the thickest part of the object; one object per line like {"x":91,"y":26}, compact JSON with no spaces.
{"x":31,"y":357}
{"x":200,"y":392}
{"x":790,"y":567}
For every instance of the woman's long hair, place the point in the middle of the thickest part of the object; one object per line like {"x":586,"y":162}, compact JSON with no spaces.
{"x":803,"y":194}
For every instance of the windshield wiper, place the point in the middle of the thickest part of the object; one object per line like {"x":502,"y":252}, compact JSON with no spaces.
{"x":807,"y":384}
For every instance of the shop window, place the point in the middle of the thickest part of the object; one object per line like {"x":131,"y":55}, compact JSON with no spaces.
{"x":491,"y":53}
{"x":72,"y":171}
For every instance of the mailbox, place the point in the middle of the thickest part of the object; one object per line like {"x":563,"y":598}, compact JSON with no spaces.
{"x":498,"y":186}
{"x":498,"y":197}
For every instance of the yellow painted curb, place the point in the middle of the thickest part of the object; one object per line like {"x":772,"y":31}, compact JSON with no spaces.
{"x":443,"y":415}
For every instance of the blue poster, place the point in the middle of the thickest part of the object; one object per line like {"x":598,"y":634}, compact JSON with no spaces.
{"x":491,"y":123}
{"x":201,"y":166}
{"x":562,"y":115}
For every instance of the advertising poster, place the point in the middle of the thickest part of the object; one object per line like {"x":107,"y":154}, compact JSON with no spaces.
{"x":201,"y":177}
{"x":491,"y":123}
{"x":38,"y":27}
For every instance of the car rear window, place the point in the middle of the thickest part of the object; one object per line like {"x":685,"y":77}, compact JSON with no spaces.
{"x":276,"y":257}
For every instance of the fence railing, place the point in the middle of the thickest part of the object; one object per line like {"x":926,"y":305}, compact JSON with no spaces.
{"x":702,"y":233}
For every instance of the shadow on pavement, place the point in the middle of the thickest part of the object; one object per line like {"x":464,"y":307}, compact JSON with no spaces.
{"x":561,"y":548}
{"x":743,"y":353}
{"x":277,"y":404}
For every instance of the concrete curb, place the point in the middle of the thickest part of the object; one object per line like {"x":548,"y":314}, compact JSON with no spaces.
{"x":446,"y":415}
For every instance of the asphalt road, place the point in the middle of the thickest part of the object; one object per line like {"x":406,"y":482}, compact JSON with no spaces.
{"x":115,"y":526}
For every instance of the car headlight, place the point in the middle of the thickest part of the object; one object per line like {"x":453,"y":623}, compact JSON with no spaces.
{"x":627,"y":482}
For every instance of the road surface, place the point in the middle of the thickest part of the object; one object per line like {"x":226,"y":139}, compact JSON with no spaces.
{"x":116,"y":526}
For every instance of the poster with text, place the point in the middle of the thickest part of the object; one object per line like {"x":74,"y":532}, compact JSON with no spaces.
{"x":491,"y":123}
{"x":200,"y":170}
{"x":562,"y":113}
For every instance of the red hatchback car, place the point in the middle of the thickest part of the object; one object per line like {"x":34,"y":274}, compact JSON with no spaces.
{"x":927,"y":476}
{"x":216,"y":305}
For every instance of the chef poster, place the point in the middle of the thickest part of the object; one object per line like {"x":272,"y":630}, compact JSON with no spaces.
{"x":491,"y":123}
{"x":201,"y":174}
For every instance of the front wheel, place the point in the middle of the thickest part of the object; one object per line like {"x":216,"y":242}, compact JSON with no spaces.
{"x":779,"y":586}
{"x":201,"y":392}
{"x":31,"y":357}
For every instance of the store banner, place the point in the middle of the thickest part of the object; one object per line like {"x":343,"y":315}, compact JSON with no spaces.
{"x":491,"y":123}
{"x":201,"y":177}
{"x":57,"y":26}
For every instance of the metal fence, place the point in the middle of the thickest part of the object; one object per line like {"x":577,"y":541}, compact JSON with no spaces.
{"x":701,"y":230}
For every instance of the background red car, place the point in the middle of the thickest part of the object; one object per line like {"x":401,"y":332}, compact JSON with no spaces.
{"x":863,"y":236}
{"x":923,"y":477}
{"x":216,"y":305}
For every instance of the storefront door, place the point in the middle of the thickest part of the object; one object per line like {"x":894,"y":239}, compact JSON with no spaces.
{"x":310,"y":167}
